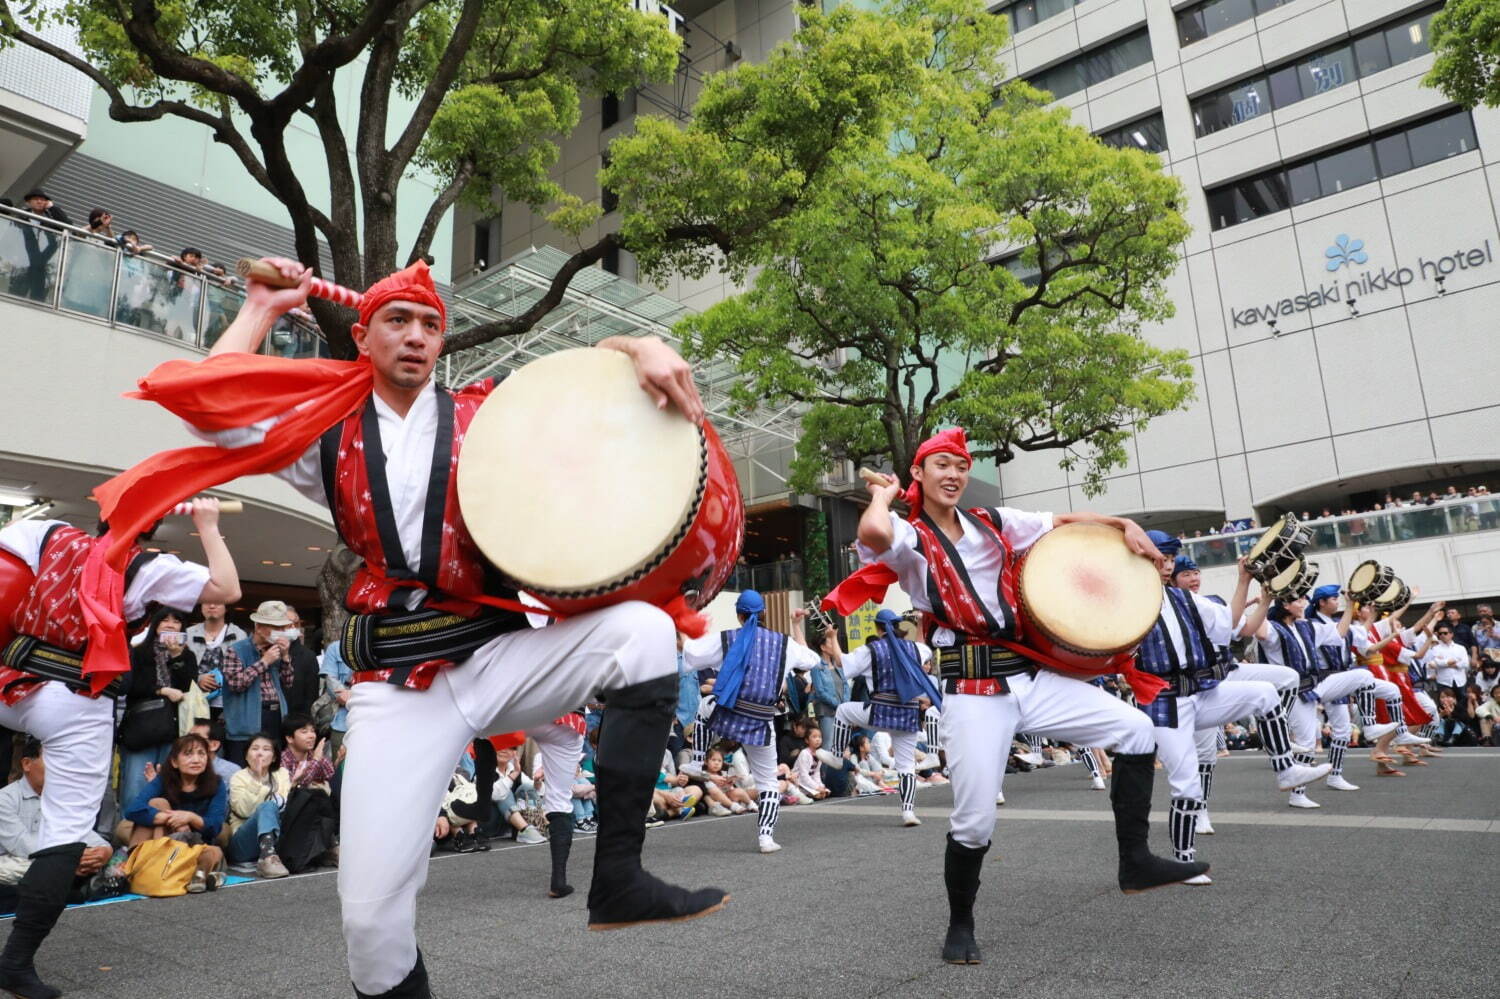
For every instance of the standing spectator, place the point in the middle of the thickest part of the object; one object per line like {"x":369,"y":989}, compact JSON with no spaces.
{"x":38,"y":203}
{"x":161,"y":669}
{"x":190,"y":259}
{"x":35,"y":281}
{"x":257,"y":794}
{"x":186,"y":801}
{"x":255,"y":687}
{"x":101,"y":224}
{"x":211,"y":640}
{"x":130,"y":242}
{"x":829,"y":687}
{"x":303,"y":689}
{"x":1447,"y":665}
{"x":338,"y":677}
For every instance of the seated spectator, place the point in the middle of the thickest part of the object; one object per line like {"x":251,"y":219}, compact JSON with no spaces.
{"x":1451,"y":729}
{"x":675,"y":796}
{"x":186,"y":801}
{"x":510,"y":778}
{"x":807,"y":771}
{"x":457,"y":827}
{"x":303,"y":757}
{"x":20,"y":820}
{"x":725,"y":796}
{"x":585,"y":801}
{"x":1487,"y":717}
{"x":308,"y":822}
{"x":257,"y":794}
{"x":212,"y":730}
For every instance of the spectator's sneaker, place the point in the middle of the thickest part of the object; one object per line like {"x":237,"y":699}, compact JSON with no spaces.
{"x":530,"y":836}
{"x":1098,"y":784}
{"x":270,"y":866}
{"x":909,"y":818}
{"x":214,"y":880}
{"x":1373,"y":732}
{"x":1298,"y":775}
{"x":768,"y":845}
{"x":198,"y":884}
{"x":1034,"y":759}
{"x":653,"y":820}
{"x":464,"y":843}
{"x":684,"y":813}
{"x":480,"y":840}
{"x":1299,"y":799}
{"x":717,"y":810}
{"x":1338,"y":783}
{"x":737,"y":808}
{"x":1203,"y":827}
{"x":1410,"y":738}
{"x":103,"y":885}
{"x":329,"y":857}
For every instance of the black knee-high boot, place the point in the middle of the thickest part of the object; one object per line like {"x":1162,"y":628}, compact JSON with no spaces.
{"x":560,"y":842}
{"x":961,"y":866}
{"x":40,"y":898}
{"x":632,"y":739}
{"x":414,"y":986}
{"x":1130,"y":796}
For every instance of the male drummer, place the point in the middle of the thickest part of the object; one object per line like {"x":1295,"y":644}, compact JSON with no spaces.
{"x":460,"y":667}
{"x":1188,"y":649}
{"x":43,"y":692}
{"x":754,"y":664}
{"x":958,"y":567}
{"x":900,"y":694}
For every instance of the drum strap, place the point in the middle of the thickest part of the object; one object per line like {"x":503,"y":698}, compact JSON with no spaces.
{"x":408,"y":649}
{"x":48,"y":662}
{"x":980,"y":662}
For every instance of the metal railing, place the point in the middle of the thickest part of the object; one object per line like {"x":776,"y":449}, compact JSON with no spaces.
{"x":783,"y":575}
{"x":68,"y":269}
{"x":1461,"y":515}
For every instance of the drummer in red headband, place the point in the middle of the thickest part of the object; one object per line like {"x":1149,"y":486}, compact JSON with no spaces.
{"x":957,"y":566}
{"x":377,"y":441}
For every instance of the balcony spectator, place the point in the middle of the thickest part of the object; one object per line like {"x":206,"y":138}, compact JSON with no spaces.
{"x":186,"y":801}
{"x":130,"y":242}
{"x":191,"y":259}
{"x":101,"y":224}
{"x":38,"y":203}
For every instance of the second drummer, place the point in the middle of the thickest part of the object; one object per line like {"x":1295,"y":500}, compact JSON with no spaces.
{"x":456,"y":668}
{"x":958,"y":567}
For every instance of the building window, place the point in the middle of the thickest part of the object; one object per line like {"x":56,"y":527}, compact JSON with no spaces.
{"x":481,"y":244}
{"x":611,"y":259}
{"x":1096,"y":65}
{"x":1340,"y":169}
{"x":609,"y":111}
{"x":1329,"y":69}
{"x":1148,"y":133}
{"x":1197,"y":22}
{"x":608,"y":199}
{"x":1029,"y":13}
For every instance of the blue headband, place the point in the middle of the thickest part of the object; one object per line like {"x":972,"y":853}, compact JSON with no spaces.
{"x":887,"y":617}
{"x":732,"y":671}
{"x":1165,"y":543}
{"x":1184,"y":563}
{"x":1325,"y":591}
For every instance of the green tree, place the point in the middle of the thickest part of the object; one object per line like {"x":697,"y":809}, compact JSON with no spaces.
{"x":487,"y":89}
{"x":1466,"y":38}
{"x":883,"y":310}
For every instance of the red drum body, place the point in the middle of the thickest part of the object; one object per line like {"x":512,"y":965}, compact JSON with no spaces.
{"x":16,"y":578}
{"x":1085,"y":599}
{"x":583,"y":494}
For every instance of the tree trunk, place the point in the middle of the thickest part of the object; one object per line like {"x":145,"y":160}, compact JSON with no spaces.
{"x":333,"y":582}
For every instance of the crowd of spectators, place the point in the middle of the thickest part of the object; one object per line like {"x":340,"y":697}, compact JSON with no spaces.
{"x":1481,"y":512}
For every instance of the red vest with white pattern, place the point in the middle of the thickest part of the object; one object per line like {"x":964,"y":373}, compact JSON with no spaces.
{"x":51,"y":611}
{"x":452,"y":568}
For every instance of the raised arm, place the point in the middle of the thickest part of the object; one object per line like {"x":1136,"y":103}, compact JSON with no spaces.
{"x":1346,"y":618}
{"x":223,"y":586}
{"x":1241,"y":597}
{"x":1135,"y":537}
{"x":875,"y":523}
{"x":263,"y":306}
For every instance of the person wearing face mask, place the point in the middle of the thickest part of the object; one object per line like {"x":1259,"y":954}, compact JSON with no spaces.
{"x":162,"y":667}
{"x":304,"y":688}
{"x":255,"y":687}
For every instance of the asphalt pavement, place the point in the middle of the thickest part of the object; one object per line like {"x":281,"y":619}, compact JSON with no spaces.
{"x":1385,"y":892}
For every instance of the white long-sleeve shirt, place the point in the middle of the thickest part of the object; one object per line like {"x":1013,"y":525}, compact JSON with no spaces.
{"x":708,"y":653}
{"x":1448,"y":664}
{"x":859,"y":661}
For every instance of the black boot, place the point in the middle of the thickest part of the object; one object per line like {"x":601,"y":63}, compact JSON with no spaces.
{"x":413,"y":986}
{"x":560,"y":842}
{"x":632,"y":739}
{"x":40,"y":898}
{"x":961,"y":866}
{"x":1130,"y":795}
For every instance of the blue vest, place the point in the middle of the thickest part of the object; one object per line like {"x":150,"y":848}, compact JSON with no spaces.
{"x":242,"y":707}
{"x":887,"y":710}
{"x":749,"y":721}
{"x":1296,"y":641}
{"x":1158,"y":656}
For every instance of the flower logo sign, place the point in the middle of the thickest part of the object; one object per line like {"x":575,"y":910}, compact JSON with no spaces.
{"x":1345,"y":251}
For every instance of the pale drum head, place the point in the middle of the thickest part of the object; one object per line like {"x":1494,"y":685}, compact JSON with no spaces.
{"x":1273,"y":535}
{"x":1085,"y":590}
{"x":571,"y":480}
{"x":1363,"y":576}
{"x":1394,"y":596}
{"x":1295,"y":580}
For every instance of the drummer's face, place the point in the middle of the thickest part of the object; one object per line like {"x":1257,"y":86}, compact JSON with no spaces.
{"x":402,"y":341}
{"x":1188,"y":579}
{"x":944,"y":478}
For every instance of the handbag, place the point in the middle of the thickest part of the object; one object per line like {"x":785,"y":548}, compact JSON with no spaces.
{"x":162,"y":868}
{"x":147,"y":723}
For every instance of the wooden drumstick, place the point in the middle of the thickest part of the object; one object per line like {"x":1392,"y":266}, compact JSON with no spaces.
{"x":225,"y":506}
{"x":873,"y":478}
{"x":267,"y":274}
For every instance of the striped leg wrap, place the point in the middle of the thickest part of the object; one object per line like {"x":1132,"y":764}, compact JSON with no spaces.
{"x":1336,"y":755}
{"x":1035,"y":742}
{"x":1206,"y":779}
{"x":908,"y":784}
{"x":701,"y":740}
{"x":767,"y":809}
{"x":840,"y":738}
{"x":1288,"y":698}
{"x":1393,"y":708}
{"x":1307,"y":760}
{"x":1364,"y":702}
{"x":1275,"y":740}
{"x":930,"y":729}
{"x":1182,"y":820}
{"x":1087,"y":756}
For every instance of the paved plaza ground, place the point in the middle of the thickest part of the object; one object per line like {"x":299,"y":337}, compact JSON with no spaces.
{"x":1382,"y":893}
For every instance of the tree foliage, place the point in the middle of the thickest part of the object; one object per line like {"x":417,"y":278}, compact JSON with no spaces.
{"x":882,"y":308}
{"x":1466,"y":38}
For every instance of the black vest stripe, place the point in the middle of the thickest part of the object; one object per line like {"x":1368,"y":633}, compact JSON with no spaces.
{"x":380,"y":496}
{"x":437,"y":491}
{"x":328,"y":460}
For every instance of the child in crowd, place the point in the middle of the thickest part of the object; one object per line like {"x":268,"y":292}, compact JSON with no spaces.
{"x":725,"y":796}
{"x":807,"y":772}
{"x":872,"y":776}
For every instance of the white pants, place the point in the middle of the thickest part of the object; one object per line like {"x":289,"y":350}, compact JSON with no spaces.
{"x":1280,"y":677}
{"x":762,"y":760}
{"x":560,"y":749}
{"x":977,"y":733}
{"x":402,"y":745}
{"x":76,"y":733}
{"x":1206,"y":743}
{"x":1332,"y":688}
{"x":856,"y":714}
{"x":1177,"y":747}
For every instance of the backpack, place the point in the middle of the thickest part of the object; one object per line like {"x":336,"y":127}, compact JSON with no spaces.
{"x":161,"y":868}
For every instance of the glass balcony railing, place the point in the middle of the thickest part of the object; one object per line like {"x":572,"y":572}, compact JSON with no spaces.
{"x":783,"y":575}
{"x":71,"y":270}
{"x":1463,"y":515}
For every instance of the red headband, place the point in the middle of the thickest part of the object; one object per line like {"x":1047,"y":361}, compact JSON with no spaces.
{"x":414,"y":284}
{"x":951,"y":441}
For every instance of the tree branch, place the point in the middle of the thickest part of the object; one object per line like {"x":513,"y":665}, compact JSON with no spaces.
{"x":443,"y":76}
{"x":319,"y":61}
{"x":439,"y":208}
